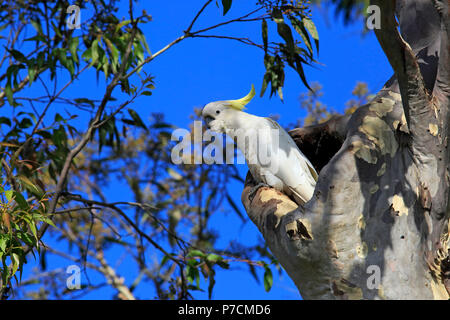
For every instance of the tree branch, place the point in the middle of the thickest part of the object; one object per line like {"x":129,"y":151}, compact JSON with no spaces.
{"x":197,"y":16}
{"x":116,"y":281}
{"x":404,"y":63}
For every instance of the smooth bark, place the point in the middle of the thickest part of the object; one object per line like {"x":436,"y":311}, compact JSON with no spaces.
{"x":377,"y":225}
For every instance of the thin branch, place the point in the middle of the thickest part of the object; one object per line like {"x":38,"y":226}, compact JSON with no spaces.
{"x":240,"y":19}
{"x":44,"y":112}
{"x":188,"y":30}
{"x":76,"y":209}
{"x":126,"y":218}
{"x":189,"y":34}
{"x":153,"y":56}
{"x":246,"y":41}
{"x":116,"y":281}
{"x":178,"y":262}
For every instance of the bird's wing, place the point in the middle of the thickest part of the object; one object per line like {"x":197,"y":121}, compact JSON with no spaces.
{"x":292,"y":150}
{"x":299,"y":199}
{"x":294,"y":169}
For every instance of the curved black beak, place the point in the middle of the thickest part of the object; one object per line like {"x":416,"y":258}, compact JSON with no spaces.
{"x":208,"y":119}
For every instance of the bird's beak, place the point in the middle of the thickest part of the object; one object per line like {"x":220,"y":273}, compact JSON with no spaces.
{"x":208,"y":119}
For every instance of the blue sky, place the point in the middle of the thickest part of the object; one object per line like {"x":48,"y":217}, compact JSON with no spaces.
{"x":198,"y":71}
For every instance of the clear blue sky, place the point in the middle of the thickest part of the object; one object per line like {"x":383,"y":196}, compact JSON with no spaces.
{"x":197,"y":71}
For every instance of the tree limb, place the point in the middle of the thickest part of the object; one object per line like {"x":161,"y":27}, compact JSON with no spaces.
{"x":416,"y":99}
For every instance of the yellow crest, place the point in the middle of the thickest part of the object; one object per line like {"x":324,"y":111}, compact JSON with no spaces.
{"x":241,"y":103}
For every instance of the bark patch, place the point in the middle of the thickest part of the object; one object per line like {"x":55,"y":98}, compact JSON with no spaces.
{"x":380,"y":134}
{"x":299,"y":229}
{"x":345,"y":290}
{"x":399,"y":205}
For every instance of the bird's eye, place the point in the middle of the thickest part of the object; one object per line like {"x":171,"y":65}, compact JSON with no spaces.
{"x":217,"y":111}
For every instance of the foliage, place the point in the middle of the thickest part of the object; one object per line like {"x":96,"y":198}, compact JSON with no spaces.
{"x":318,"y":112}
{"x":287,"y":14}
{"x":350,"y":10}
{"x":55,"y":171}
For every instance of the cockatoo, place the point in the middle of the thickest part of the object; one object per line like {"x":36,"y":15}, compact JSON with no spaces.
{"x":286,"y":170}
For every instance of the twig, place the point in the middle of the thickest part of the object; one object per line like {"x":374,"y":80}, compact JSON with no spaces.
{"x":240,"y":19}
{"x":197,"y":16}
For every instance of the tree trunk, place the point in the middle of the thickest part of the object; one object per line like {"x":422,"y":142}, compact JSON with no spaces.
{"x":377,"y":225}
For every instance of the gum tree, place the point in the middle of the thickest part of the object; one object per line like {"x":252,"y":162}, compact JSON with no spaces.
{"x":377,"y":225}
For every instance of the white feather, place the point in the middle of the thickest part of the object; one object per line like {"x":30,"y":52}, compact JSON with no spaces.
{"x":288,"y":169}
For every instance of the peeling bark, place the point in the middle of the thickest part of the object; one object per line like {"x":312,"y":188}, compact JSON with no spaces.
{"x":382,"y":200}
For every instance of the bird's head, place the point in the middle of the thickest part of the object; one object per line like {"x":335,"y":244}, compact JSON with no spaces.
{"x":220,"y":115}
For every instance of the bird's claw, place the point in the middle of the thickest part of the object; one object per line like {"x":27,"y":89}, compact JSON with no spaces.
{"x":252,"y":193}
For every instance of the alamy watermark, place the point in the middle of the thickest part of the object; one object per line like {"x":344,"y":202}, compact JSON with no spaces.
{"x":260,"y":146}
{"x":74,"y":18}
{"x":373,"y":20}
{"x":73,"y":281}
{"x":374,"y":280}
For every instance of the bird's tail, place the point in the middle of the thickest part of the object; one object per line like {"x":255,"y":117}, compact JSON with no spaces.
{"x":297,"y":197}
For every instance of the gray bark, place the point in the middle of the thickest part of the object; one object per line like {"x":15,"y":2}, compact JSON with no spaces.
{"x":382,"y":199}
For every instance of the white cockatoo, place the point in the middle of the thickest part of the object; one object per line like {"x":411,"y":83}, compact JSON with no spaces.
{"x":271,"y":154}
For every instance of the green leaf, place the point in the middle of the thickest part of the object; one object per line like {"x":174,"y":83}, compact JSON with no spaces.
{"x":280,"y":93}
{"x":3,"y":241}
{"x":213,"y":258}
{"x":31,"y":74}
{"x":195,"y":253}
{"x":73,"y":46}
{"x":25,"y":123}
{"x":192,"y":274}
{"x":94,"y":52}
{"x":59,"y":137}
{"x":9,"y":195}
{"x":226,"y":6}
{"x":5,"y":120}
{"x":87,"y":55}
{"x":139,"y":51}
{"x":310,"y":26}
{"x":37,"y":38}
{"x":105,"y":66}
{"x":85,"y":102}
{"x":264,"y":34}
{"x":33,"y":229}
{"x":283,"y":29}
{"x":26,"y":238}
{"x":298,"y":26}
{"x":143,"y":40}
{"x":301,"y":73}
{"x":58,"y":118}
{"x":164,"y":261}
{"x":137,"y":119}
{"x":15,"y":259}
{"x":266,"y":80}
{"x":49,"y":221}
{"x":19,"y":56}
{"x":30,"y":186}
{"x":268,"y":279}
{"x":211,"y":284}
{"x":114,"y":54}
{"x":9,"y":94}
{"x":37,"y":25}
{"x":19,"y":198}
{"x":123,"y":23}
